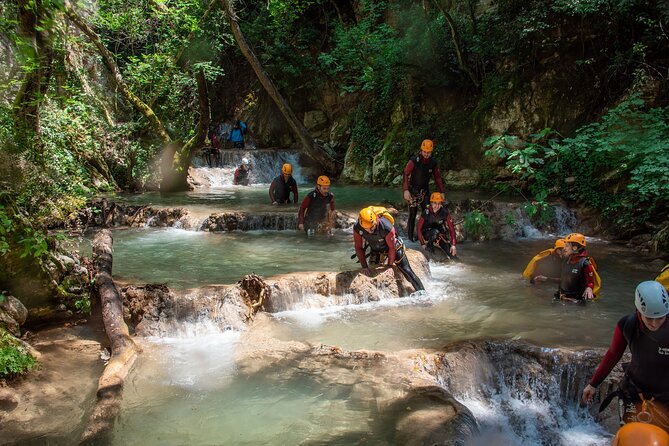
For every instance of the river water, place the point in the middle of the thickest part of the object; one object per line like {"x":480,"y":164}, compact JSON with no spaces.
{"x":188,"y":388}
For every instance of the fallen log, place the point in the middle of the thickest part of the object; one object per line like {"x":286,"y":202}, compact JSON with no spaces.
{"x":123,"y":349}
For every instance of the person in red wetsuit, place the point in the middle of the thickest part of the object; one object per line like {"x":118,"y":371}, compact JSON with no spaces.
{"x":577,"y":278}
{"x":317,"y":209}
{"x":379,"y":233}
{"x":417,"y":174}
{"x":644,"y":388}
{"x":435,"y":227}
{"x":242,"y":173}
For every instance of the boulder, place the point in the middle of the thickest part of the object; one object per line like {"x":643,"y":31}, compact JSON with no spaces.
{"x":14,"y":309}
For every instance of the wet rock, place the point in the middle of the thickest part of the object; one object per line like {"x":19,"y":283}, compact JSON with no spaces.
{"x":144,"y":306}
{"x":461,"y":179}
{"x":9,"y":323}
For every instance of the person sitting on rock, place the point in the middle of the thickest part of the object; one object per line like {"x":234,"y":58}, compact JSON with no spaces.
{"x":317,"y":210}
{"x":547,"y":265}
{"x":282,"y":186}
{"x":644,"y":388}
{"x":236,"y":136}
{"x":435,"y":227}
{"x":417,"y":175}
{"x":578,"y":276}
{"x":379,"y":234}
{"x":242,"y":173}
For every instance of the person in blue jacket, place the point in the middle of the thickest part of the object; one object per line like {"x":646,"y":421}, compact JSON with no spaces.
{"x":236,"y":136}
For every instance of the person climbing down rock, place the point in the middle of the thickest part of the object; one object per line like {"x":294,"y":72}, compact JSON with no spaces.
{"x":236,"y":136}
{"x":644,"y":388}
{"x":375,"y":227}
{"x":435,"y":227}
{"x":316,"y":214}
{"x":282,"y":186}
{"x":547,"y":265}
{"x":579,"y":280}
{"x":242,"y":173}
{"x":417,"y":175}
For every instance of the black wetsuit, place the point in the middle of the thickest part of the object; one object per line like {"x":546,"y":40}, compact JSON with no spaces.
{"x":419,"y":188}
{"x":434,"y":229}
{"x":314,"y":209}
{"x":280,"y":190}
{"x":378,"y":244}
{"x":573,"y":278}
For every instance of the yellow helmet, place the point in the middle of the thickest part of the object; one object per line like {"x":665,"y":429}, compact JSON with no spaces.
{"x":575,"y":237}
{"x":427,"y":145}
{"x":633,"y":434}
{"x":559,"y":243}
{"x":287,"y":169}
{"x":435,"y":197}
{"x":323,"y":181}
{"x":367,"y":217}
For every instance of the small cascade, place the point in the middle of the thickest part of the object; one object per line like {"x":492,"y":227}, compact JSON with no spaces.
{"x":565,"y":220}
{"x":265,"y":166}
{"x":522,"y":394}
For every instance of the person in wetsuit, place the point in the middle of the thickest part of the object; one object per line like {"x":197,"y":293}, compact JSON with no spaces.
{"x":577,"y":276}
{"x":317,"y":208}
{"x":644,"y":388}
{"x":435,"y":227}
{"x":242,"y":173}
{"x":379,"y":234}
{"x":417,"y":174}
{"x":282,"y":186}
{"x":547,"y":265}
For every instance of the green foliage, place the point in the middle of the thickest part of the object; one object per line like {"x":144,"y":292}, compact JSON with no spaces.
{"x":83,"y":304}
{"x":14,"y":358}
{"x":477,"y":224}
{"x":618,"y":165}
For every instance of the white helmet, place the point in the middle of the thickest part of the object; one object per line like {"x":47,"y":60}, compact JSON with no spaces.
{"x":245,"y":161}
{"x":651,"y":299}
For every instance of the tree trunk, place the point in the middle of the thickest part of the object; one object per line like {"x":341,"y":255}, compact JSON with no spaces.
{"x":455,"y":37}
{"x":329,"y":164}
{"x":182,"y":157}
{"x":124,"y":351}
{"x":110,"y":63}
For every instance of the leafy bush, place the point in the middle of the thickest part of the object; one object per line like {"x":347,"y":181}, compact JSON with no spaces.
{"x":477,"y":224}
{"x":14,"y":358}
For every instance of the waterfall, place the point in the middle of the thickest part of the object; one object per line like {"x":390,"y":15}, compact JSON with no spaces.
{"x":265,"y":166}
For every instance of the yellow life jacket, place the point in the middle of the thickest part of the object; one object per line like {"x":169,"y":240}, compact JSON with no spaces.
{"x":380,"y":211}
{"x":596,"y":279}
{"x":663,"y":277}
{"x":531,"y":267}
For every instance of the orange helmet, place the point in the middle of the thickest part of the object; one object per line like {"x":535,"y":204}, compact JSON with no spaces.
{"x":435,"y":197}
{"x":287,"y":169}
{"x":367,"y":217}
{"x":427,"y":145}
{"x":323,"y":181}
{"x":559,"y":243}
{"x":635,"y":434}
{"x":575,"y":237}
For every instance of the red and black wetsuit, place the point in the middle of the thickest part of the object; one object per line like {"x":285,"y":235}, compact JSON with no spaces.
{"x":280,"y":190}
{"x":648,"y":372}
{"x":383,"y":240}
{"x":241,"y":176}
{"x":576,"y":275}
{"x":431,"y":226}
{"x":315,"y":205}
{"x":417,"y":175}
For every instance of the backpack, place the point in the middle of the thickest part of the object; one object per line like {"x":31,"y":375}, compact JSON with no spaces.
{"x":596,"y":279}
{"x":380,"y":211}
{"x":531,"y":267}
{"x":663,"y":277}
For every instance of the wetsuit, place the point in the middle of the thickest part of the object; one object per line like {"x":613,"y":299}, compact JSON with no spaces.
{"x":314,"y":210}
{"x":549,"y":267}
{"x":242,"y":176}
{"x":236,"y":136}
{"x":647,"y":372}
{"x":384,"y":241}
{"x":576,"y":275}
{"x":280,"y":190}
{"x":417,"y":175}
{"x":432,"y":228}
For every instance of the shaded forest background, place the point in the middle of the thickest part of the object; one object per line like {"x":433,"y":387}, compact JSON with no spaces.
{"x":559,"y":99}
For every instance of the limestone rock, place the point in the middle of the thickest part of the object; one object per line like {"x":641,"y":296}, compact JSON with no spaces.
{"x":14,"y":309}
